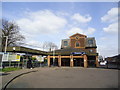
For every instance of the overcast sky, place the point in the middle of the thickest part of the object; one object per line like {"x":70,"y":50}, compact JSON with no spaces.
{"x":50,"y":21}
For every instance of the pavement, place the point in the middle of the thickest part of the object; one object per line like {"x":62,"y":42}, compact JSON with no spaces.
{"x":5,"y":77}
{"x":62,"y":77}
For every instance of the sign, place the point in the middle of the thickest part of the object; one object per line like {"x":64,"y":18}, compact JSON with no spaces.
{"x":39,"y":58}
{"x":78,"y":53}
{"x":17,"y":57}
{"x":5,"y":57}
{"x":11,"y":57}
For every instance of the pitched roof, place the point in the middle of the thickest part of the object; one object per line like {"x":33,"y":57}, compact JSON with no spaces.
{"x":22,"y":49}
{"x":78,"y":35}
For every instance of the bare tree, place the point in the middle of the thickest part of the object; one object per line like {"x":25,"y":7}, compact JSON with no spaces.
{"x":44,"y":46}
{"x":11,"y":30}
{"x":50,"y":46}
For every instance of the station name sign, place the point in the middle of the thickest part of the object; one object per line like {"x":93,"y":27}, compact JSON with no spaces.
{"x":78,"y":53}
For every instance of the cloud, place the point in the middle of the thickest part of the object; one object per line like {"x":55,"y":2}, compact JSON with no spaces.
{"x":90,"y":31}
{"x":103,"y":38}
{"x":112,"y":28}
{"x":107,"y":45}
{"x":34,"y":43}
{"x":104,"y":50}
{"x":81,"y":19}
{"x":46,"y":25}
{"x":111,"y":16}
{"x":42,"y":22}
{"x":74,"y":30}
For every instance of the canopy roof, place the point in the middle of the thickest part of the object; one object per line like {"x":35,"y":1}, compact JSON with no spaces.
{"x":69,"y":51}
{"x":26,"y":50}
{"x":65,"y":51}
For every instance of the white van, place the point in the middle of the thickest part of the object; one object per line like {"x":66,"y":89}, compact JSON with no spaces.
{"x":103,"y":62}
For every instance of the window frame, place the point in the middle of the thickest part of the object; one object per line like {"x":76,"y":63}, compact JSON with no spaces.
{"x":77,"y":42}
{"x":66,"y":43}
{"x":90,"y":42}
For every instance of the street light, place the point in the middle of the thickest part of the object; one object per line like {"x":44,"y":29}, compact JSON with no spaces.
{"x":53,"y":56}
{"x":6,"y":43}
{"x":14,"y":48}
{"x":5,"y":46}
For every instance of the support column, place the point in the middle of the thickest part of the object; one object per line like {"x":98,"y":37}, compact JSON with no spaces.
{"x":59,"y":60}
{"x":85,"y":61}
{"x":97,"y":63}
{"x":71,"y":61}
{"x":48,"y":58}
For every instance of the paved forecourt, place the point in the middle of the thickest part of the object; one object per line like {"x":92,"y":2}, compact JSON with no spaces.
{"x":68,"y":77}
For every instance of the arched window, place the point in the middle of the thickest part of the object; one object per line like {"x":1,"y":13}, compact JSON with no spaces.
{"x":77,"y":44}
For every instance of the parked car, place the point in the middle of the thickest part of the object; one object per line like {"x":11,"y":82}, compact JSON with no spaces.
{"x":103,"y":62}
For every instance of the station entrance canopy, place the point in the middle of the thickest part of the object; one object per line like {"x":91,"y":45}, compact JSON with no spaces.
{"x":26,"y":50}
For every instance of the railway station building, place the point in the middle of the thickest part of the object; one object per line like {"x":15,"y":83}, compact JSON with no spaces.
{"x":77,"y":51}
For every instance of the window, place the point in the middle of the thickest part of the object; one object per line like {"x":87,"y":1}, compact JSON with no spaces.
{"x":65,"y":43}
{"x":77,"y":44}
{"x":90,"y":42}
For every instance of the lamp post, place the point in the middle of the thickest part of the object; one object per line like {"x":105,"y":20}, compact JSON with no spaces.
{"x":5,"y":46}
{"x":53,"y":56}
{"x":14,"y":48}
{"x":14,"y":51}
{"x":6,"y":43}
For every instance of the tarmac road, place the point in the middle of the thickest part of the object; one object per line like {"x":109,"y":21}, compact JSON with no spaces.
{"x":67,"y":77}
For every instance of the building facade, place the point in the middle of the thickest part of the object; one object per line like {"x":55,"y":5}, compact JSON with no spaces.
{"x":79,"y":50}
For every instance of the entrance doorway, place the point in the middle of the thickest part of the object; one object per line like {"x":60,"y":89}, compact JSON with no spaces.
{"x":54,"y":62}
{"x":78,"y":62}
{"x":91,"y":61}
{"x":65,"y":62}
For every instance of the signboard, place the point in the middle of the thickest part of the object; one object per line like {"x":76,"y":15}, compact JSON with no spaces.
{"x":5,"y":57}
{"x":39,"y":58}
{"x":78,"y":53}
{"x":17,"y":57}
{"x":11,"y":57}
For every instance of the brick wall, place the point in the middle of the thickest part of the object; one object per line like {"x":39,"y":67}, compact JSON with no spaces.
{"x":80,"y":40}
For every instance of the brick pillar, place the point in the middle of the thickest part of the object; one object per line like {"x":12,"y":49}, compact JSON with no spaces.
{"x":59,"y":60}
{"x":97,"y":63}
{"x":85,"y":61}
{"x":48,"y":60}
{"x":71,"y":61}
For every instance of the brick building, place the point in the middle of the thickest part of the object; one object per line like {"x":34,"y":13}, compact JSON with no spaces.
{"x":79,"y":50}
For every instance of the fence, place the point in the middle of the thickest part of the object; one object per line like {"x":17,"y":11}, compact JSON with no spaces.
{"x":20,"y":60}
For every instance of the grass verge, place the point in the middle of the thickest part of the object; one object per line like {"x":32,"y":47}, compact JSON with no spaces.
{"x":8,"y":69}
